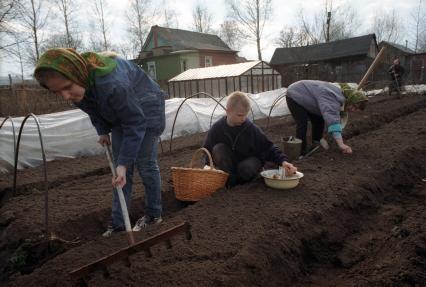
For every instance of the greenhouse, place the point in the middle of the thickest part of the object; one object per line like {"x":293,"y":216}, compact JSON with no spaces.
{"x":218,"y":81}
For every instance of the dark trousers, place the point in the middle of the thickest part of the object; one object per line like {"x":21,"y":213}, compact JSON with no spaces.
{"x":239,"y":171}
{"x":301,"y":116}
{"x":395,"y":85}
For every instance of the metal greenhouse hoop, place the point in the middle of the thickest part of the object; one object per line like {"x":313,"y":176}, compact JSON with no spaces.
{"x":279,"y":98}
{"x":14,"y":134}
{"x":46,"y":193}
{"x":214,"y":109}
{"x":251,"y":109}
{"x":177,"y":112}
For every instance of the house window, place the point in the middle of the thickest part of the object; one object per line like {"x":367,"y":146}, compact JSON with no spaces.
{"x":151,"y":70}
{"x":184,"y":65}
{"x":208,"y":61}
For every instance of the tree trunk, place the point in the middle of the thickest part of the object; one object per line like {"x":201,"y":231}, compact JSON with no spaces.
{"x":67,"y":31}
{"x":35,"y":31}
{"x":259,"y":52}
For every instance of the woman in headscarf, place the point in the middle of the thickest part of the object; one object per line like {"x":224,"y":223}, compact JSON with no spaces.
{"x":121,"y":99}
{"x":322,"y":103}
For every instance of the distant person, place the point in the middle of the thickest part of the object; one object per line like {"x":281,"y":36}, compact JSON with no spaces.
{"x":321,"y":103}
{"x":396,"y":71}
{"x":122,"y":100}
{"x":239,"y":147}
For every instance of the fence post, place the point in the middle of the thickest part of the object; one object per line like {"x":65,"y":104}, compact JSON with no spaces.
{"x":14,"y":95}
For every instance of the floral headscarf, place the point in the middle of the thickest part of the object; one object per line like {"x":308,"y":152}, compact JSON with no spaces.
{"x":81,"y":69}
{"x":352,"y":95}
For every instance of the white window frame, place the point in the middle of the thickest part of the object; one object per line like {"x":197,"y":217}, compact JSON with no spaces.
{"x":184,"y":65}
{"x":208,"y":61}
{"x":152,"y":71}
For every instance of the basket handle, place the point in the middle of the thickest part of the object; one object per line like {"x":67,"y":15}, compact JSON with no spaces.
{"x":200,"y":150}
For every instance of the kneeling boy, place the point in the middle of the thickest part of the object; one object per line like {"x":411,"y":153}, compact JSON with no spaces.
{"x":239,"y":147}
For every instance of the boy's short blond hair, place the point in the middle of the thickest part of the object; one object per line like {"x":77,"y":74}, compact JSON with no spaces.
{"x":238,"y":100}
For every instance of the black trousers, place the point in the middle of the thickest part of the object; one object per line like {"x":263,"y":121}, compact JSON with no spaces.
{"x":239,"y":171}
{"x":301,"y":116}
{"x":395,"y":85}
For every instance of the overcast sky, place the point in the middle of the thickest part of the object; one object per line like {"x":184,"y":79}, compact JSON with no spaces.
{"x":284,"y":13}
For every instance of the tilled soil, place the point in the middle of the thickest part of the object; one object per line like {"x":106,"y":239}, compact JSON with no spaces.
{"x":355,"y":220}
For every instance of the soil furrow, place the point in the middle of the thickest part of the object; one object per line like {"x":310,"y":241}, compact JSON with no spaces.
{"x":252,"y":235}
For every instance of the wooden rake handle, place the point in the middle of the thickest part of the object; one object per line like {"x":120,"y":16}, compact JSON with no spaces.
{"x":120,"y":193}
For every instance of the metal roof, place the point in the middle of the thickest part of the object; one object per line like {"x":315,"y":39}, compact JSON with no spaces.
{"x":186,"y":40}
{"x":398,"y":46}
{"x":221,"y":71}
{"x":325,"y":51}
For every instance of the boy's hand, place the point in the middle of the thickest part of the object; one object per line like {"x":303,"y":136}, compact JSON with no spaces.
{"x":289,"y":168}
{"x":104,"y":140}
{"x":120,"y":180}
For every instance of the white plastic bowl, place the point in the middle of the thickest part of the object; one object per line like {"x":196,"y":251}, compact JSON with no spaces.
{"x":273,"y":179}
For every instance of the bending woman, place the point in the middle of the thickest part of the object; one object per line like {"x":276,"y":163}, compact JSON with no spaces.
{"x":120,"y":99}
{"x":321,"y":103}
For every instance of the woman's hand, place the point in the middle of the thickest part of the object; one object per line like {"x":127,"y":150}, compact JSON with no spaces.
{"x":120,"y":180}
{"x":104,"y":140}
{"x":345,"y":149}
{"x":289,"y":168}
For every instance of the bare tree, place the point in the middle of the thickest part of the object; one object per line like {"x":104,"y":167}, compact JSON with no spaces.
{"x":170,"y":18}
{"x":387,"y":26}
{"x":33,"y":15}
{"x":288,"y":38}
{"x":126,"y":51}
{"x":230,"y":34}
{"x":343,"y":24}
{"x":250,"y":16}
{"x":419,"y":22}
{"x":167,"y":17}
{"x":68,"y":9}
{"x":99,"y":9}
{"x":311,"y":30}
{"x":62,"y":40}
{"x":8,"y":12}
{"x":16,"y":52}
{"x":331,"y":24}
{"x":202,"y":19}
{"x":139,"y":17}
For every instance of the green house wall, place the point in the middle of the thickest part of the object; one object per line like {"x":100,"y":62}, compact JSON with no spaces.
{"x":168,"y":66}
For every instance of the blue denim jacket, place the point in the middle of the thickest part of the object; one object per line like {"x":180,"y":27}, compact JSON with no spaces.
{"x":127,"y":99}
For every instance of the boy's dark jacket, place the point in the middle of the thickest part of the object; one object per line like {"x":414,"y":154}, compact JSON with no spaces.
{"x":246,"y":140}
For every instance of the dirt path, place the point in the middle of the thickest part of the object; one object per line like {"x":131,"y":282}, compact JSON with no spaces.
{"x":353,"y":221}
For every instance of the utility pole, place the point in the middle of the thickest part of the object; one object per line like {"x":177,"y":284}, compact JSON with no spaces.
{"x":327,"y":39}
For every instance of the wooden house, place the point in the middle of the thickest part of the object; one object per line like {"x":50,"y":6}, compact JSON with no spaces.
{"x":168,"y":52}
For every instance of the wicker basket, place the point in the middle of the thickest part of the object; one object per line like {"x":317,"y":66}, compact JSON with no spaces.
{"x":193,"y":184}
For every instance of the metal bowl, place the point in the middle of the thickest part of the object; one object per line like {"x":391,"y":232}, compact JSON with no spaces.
{"x":273,"y":179}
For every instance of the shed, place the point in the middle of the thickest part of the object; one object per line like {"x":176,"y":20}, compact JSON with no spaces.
{"x":416,"y":73}
{"x":343,"y":61}
{"x":218,"y":81}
